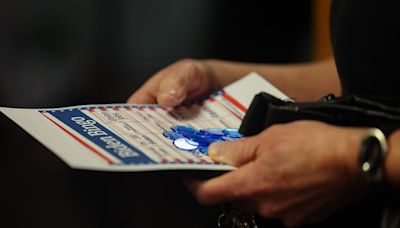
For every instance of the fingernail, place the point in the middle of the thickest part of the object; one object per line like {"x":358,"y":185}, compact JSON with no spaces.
{"x":170,"y":98}
{"x":173,"y":93}
{"x":214,"y":151}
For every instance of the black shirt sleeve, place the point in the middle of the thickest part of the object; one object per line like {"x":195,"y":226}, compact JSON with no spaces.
{"x":366,"y":44}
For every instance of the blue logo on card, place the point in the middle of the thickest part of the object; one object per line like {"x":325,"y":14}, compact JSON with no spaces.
{"x":101,"y":136}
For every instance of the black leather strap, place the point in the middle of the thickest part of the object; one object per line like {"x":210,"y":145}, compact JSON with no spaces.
{"x":267,"y":110}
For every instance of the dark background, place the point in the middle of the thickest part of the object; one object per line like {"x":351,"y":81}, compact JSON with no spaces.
{"x":58,"y":53}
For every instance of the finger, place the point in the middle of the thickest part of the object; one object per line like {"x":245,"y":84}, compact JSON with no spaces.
{"x":172,"y":85}
{"x":231,"y":186}
{"x":185,"y":80}
{"x":142,"y":97}
{"x":172,"y":89}
{"x":147,"y":93}
{"x":234,"y":153}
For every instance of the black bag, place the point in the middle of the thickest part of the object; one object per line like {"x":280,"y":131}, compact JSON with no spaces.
{"x":266,"y":110}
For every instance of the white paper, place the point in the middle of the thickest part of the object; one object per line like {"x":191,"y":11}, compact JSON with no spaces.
{"x":125,"y":137}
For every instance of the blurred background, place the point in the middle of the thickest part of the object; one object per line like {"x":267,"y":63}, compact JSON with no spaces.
{"x":58,"y":52}
{"x":69,"y":52}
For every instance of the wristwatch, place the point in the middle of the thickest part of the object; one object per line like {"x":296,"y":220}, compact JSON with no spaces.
{"x":372,"y":154}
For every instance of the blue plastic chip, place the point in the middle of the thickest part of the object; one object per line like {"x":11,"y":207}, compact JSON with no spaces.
{"x":232,"y":132}
{"x":213,"y":132}
{"x":228,"y":139}
{"x":182,"y":144}
{"x":201,"y":140}
{"x":203,"y":150}
{"x":187,"y":138}
{"x":172,"y":135}
{"x":183,"y":129}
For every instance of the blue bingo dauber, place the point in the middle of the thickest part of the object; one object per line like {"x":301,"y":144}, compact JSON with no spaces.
{"x":187,"y":138}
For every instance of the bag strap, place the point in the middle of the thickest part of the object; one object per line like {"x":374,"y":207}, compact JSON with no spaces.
{"x":266,"y":110}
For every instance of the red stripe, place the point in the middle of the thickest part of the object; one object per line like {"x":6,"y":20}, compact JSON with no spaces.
{"x":233,"y":113}
{"x":234,"y":102}
{"x":240,"y":118}
{"x":81,"y":141}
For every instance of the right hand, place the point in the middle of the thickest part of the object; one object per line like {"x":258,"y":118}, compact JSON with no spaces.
{"x":180,"y":81}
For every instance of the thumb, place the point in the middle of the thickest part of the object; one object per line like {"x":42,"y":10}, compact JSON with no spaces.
{"x":236,"y":153}
{"x":185,"y":79}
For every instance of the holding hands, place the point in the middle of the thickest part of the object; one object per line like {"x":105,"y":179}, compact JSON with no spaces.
{"x":299,"y":172}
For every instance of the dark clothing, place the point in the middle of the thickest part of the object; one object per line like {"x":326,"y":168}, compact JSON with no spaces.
{"x":366,"y":44}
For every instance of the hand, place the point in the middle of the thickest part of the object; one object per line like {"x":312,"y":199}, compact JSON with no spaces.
{"x":298,"y":172}
{"x":182,"y":80}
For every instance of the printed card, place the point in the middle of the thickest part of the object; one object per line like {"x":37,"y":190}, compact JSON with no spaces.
{"x":129,"y":137}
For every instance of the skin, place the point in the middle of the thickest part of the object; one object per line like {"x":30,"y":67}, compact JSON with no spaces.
{"x":295,"y":172}
{"x":188,"y":78}
{"x":298,"y":180}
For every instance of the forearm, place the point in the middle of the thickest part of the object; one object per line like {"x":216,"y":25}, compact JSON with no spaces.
{"x":303,"y":82}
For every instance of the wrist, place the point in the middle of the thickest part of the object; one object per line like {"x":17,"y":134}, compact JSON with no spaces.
{"x":392,"y":162}
{"x":348,"y":156}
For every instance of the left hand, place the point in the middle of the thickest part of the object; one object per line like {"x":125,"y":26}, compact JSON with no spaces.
{"x":298,"y":172}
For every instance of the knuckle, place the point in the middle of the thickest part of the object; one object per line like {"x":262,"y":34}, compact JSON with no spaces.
{"x":251,"y":144}
{"x":247,"y":146}
{"x":188,"y":65}
{"x":240,"y":150}
{"x":185,"y":71}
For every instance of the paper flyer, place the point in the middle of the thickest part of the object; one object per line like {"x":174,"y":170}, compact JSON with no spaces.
{"x":129,"y":137}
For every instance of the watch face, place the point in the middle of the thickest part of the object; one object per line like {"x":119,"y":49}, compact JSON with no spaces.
{"x":372,"y":153}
